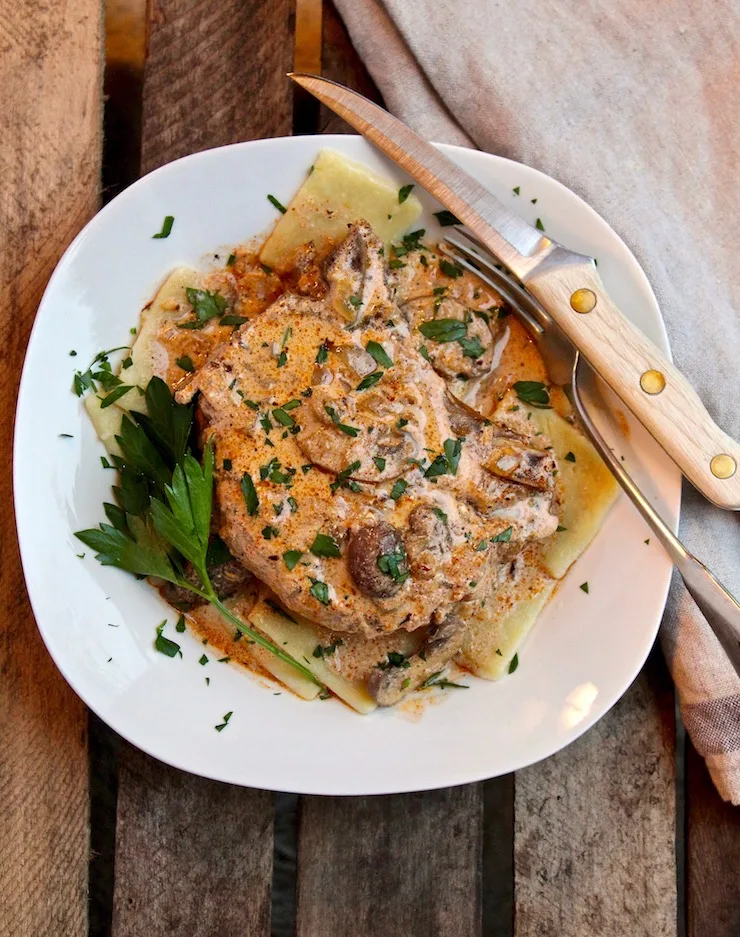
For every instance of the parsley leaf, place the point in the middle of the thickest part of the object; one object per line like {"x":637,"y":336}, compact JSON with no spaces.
{"x":273,"y":201}
{"x":347,"y":430}
{"x":404,"y":192}
{"x":504,"y":536}
{"x":446,"y":218}
{"x":398,"y":489}
{"x":450,"y":269}
{"x":379,"y":462}
{"x":164,"y":645}
{"x":379,"y":353}
{"x":444,"y":330}
{"x":251,"y":498}
{"x":291,"y":558}
{"x":320,"y":591}
{"x":166,"y":227}
{"x":206,"y":305}
{"x":534,"y":393}
{"x":186,"y":363}
{"x":370,"y":380}
{"x":325,"y":545}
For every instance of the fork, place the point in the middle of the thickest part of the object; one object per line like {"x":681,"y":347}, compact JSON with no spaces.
{"x":566,"y":366}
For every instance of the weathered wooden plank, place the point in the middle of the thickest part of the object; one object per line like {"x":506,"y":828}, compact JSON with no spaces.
{"x":713,"y":856}
{"x":50,"y":145}
{"x":341,"y":63}
{"x":193,"y":857}
{"x":595,"y":825}
{"x":215,"y":74}
{"x":398,"y":866}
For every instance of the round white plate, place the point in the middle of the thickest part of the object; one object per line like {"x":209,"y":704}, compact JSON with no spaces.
{"x":99,"y":623}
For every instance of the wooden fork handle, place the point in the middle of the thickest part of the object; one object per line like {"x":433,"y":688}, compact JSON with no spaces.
{"x":653,"y":389}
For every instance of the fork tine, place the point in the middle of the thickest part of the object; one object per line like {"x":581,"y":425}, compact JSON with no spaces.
{"x":499,"y":284}
{"x":479,"y":256}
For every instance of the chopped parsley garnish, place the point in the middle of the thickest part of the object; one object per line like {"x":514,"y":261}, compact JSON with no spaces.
{"x":320,"y":591}
{"x":273,"y":201}
{"x":206,"y":305}
{"x":320,"y":652}
{"x":323,"y":353}
{"x":514,"y":663}
{"x":570,"y":457}
{"x":516,"y":190}
{"x":450,"y":269}
{"x":379,"y":354}
{"x":127,"y":362}
{"x":447,"y":462}
{"x":559,"y":529}
{"x":584,"y":587}
{"x":398,"y":489}
{"x":370,"y":380}
{"x":291,"y":558}
{"x":442,"y":683}
{"x":424,"y":352}
{"x":186,"y":363}
{"x":269,"y":533}
{"x":166,"y":227}
{"x":404,"y":192}
{"x":355,"y":301}
{"x":538,"y":224}
{"x":180,"y":626}
{"x":114,"y":395}
{"x":283,"y":418}
{"x":232,"y":320}
{"x":347,"y":430}
{"x":341,"y":479}
{"x":391,"y":563}
{"x":471,"y":347}
{"x":265,"y":423}
{"x":293,"y":504}
{"x":164,"y":645}
{"x":446,"y":218}
{"x":250,"y":495}
{"x":481,"y":546}
{"x":440,"y":514}
{"x":203,"y":660}
{"x":325,"y":545}
{"x":504,"y":536}
{"x":251,"y":404}
{"x":534,"y":393}
{"x":444,"y":330}
{"x":222,"y":725}
{"x":401,"y":423}
{"x":379,"y":462}
{"x":396,"y":264}
{"x":231,"y":260}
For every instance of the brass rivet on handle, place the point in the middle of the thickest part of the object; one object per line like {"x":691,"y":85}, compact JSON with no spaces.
{"x":723,"y":466}
{"x":583,"y":300}
{"x":652,"y":382}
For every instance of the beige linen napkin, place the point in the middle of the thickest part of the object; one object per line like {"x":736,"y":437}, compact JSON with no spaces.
{"x":633,"y":105}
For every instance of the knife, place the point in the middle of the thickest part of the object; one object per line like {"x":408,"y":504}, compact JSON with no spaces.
{"x":569,"y":287}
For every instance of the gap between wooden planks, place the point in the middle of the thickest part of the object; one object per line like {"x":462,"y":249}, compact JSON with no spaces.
{"x":50,"y":142}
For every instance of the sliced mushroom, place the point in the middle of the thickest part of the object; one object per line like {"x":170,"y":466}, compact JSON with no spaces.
{"x":377,"y":560}
{"x":428,"y":541}
{"x":388,"y":686}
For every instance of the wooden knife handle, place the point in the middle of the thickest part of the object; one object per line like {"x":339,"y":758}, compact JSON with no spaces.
{"x":653,"y":389}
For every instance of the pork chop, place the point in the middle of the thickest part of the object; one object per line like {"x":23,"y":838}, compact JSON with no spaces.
{"x":347,"y":477}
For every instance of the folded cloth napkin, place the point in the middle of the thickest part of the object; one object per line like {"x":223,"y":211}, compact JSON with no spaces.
{"x":635,"y":109}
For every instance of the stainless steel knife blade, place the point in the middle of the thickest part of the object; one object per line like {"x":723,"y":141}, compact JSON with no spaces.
{"x":518,"y":245}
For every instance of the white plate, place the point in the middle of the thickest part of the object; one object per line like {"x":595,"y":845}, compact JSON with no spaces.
{"x":99,"y":623}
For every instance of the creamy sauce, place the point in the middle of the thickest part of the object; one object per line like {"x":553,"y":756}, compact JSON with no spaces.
{"x":510,"y":355}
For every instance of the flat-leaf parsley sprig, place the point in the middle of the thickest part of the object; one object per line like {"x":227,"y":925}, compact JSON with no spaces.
{"x":165,"y":503}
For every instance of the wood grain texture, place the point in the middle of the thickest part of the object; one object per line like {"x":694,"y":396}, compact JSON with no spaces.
{"x":193,"y":857}
{"x":341,"y":63}
{"x":713,"y":856}
{"x":595,"y":831}
{"x":398,"y":866}
{"x":620,"y":353}
{"x":215,"y":74}
{"x":50,"y":146}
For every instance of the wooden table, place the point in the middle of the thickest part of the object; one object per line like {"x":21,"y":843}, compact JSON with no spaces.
{"x":620,"y":835}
